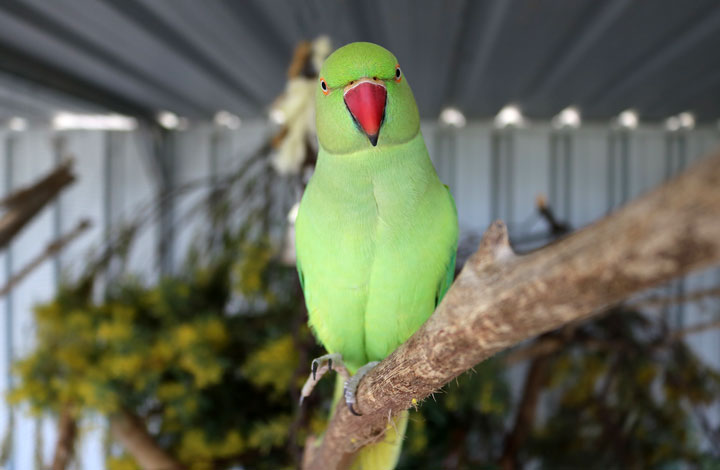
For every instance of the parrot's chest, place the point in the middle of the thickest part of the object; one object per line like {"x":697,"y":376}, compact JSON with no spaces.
{"x":375,"y":236}
{"x":359,"y":235}
{"x":372,"y":266}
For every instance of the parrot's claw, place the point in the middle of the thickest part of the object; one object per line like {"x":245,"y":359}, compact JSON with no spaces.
{"x":318,"y":368}
{"x":329,"y":361}
{"x":351,"y":386}
{"x":352,"y":409}
{"x":314,"y":368}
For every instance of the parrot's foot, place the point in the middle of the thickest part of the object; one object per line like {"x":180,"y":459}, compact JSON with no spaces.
{"x":319,"y":367}
{"x":352,"y":384}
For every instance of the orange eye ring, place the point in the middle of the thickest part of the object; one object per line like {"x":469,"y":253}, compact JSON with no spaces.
{"x":398,"y":73}
{"x":323,"y":86}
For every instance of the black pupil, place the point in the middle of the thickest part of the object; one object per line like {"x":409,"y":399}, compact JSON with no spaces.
{"x":397,"y":73}
{"x":322,"y":84}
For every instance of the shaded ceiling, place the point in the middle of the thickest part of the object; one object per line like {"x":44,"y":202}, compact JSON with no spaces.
{"x":196,"y":57}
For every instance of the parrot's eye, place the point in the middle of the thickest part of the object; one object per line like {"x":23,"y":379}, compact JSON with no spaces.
{"x":324,"y":86}
{"x":398,"y":74}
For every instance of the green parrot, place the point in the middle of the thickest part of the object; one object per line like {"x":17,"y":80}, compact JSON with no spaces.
{"x":376,"y":232}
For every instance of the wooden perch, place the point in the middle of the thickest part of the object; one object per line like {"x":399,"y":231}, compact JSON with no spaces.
{"x":24,"y":204}
{"x":500,"y":299}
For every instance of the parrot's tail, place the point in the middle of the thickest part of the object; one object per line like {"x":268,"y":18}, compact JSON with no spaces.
{"x":381,"y":455}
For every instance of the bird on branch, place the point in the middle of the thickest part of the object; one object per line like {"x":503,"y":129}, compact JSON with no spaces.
{"x":376,"y":232}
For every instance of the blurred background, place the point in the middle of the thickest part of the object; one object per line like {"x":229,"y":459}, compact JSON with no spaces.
{"x":153,"y":153}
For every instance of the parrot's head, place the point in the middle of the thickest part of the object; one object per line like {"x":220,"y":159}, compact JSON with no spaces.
{"x":363,"y":100}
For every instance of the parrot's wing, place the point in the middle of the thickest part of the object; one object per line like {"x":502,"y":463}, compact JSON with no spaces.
{"x":300,"y":276}
{"x":447,"y":281}
{"x":452,"y":256}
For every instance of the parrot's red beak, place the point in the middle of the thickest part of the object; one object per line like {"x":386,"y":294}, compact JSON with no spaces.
{"x":366,"y":103}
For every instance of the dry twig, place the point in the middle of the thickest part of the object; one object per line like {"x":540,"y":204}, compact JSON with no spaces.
{"x":25,"y":203}
{"x":50,"y":250}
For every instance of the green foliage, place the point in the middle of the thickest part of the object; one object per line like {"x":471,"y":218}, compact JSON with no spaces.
{"x":216,"y":382}
{"x":122,"y":462}
{"x":463,"y":423}
{"x":631,"y":400}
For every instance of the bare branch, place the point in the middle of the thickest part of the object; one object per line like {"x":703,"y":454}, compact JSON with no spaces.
{"x":50,"y":250}
{"x":525,"y":418}
{"x":130,"y":431}
{"x":22,"y":205}
{"x":691,"y":330}
{"x":664,"y":300}
{"x":539,"y":347}
{"x":65,"y":446}
{"x":500,"y":299}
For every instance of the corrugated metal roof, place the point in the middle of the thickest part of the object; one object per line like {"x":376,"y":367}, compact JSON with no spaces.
{"x":194,"y":58}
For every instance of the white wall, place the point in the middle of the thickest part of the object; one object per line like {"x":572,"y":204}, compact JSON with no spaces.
{"x":489,"y":173}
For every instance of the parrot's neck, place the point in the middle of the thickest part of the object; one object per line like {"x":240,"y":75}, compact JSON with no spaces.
{"x":396,"y":172}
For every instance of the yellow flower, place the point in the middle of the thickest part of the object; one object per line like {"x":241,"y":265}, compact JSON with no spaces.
{"x":265,"y":436}
{"x":273,"y":365}
{"x":73,"y":358}
{"x":122,"y":312}
{"x":213,"y":331}
{"x":125,"y":366}
{"x":114,"y":331}
{"x":185,"y":335}
{"x":194,"y":446}
{"x":124,"y":462}
{"x":232,"y":445}
{"x":48,"y":314}
{"x":86,"y":392}
{"x":170,"y":391}
{"x":160,"y":354}
{"x":76,"y":322}
{"x":205,"y":371}
{"x":250,"y":270}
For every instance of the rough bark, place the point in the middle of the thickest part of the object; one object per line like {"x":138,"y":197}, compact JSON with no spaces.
{"x":65,"y":446}
{"x":24,"y":204}
{"x":130,"y":431}
{"x":500,"y":299}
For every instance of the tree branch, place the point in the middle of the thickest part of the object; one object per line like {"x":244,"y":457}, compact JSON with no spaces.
{"x":691,"y":330}
{"x":130,"y":431}
{"x":65,"y":446}
{"x":534,"y":383}
{"x":25,"y":203}
{"x":500,"y":299}
{"x":50,"y":250}
{"x":664,"y":300}
{"x":540,"y":347}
